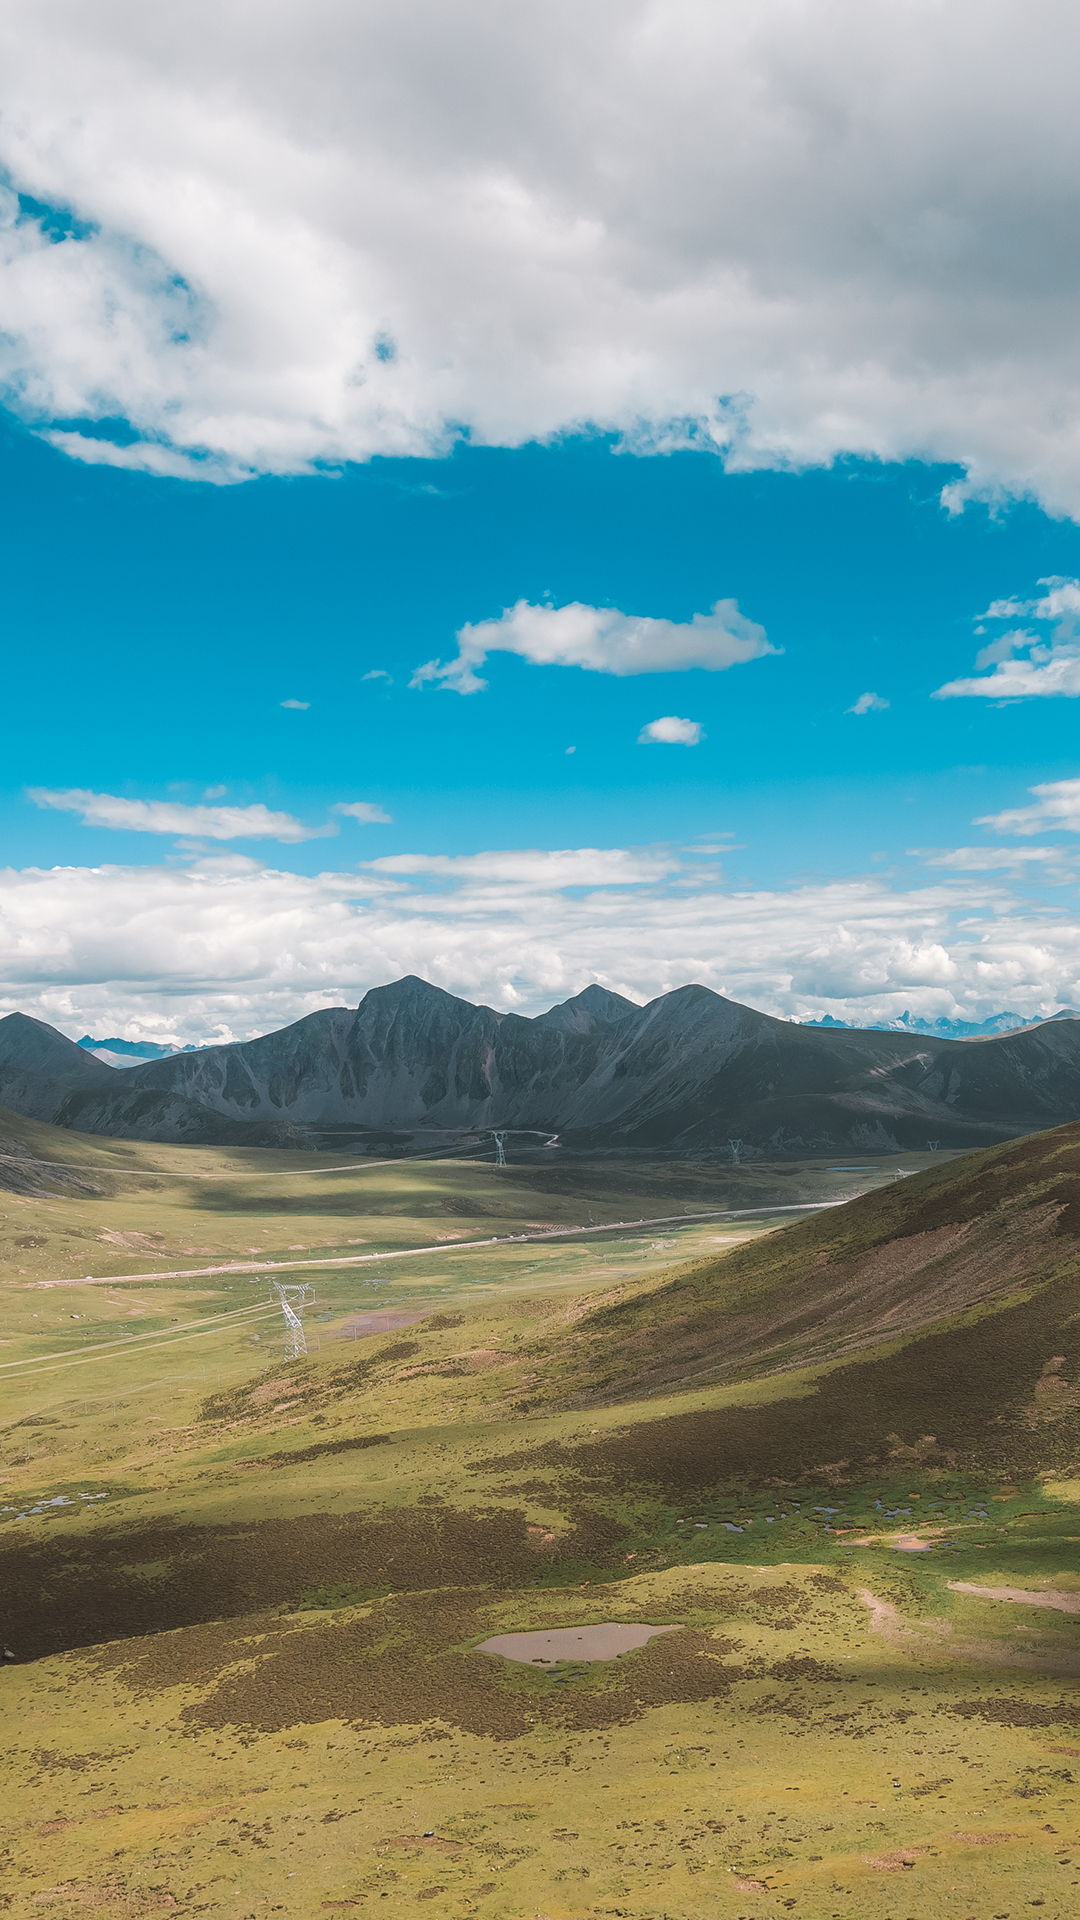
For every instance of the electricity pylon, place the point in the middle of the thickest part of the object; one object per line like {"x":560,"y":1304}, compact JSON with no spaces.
{"x":303,"y":1295}
{"x":500,"y":1149}
{"x":735,"y":1146}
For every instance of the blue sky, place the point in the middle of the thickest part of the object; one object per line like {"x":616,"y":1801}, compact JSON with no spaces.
{"x":161,"y":624}
{"x":260,"y":465}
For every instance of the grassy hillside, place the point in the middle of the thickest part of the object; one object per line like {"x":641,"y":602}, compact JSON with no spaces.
{"x":939,"y":1316}
{"x":245,"y":1594}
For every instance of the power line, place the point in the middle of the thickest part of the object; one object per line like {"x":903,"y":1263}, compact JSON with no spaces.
{"x":137,"y":1342}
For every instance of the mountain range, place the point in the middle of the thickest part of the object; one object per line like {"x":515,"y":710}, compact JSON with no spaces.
{"x":689,"y":1072}
{"x":128,"y":1053}
{"x":942,"y":1028}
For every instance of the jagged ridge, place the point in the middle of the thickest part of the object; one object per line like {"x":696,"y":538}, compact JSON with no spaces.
{"x":686,"y":1072}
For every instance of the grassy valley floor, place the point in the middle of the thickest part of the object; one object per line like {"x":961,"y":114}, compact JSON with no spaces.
{"x":245,"y":1592}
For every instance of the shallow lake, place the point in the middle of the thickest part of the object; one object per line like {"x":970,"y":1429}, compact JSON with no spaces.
{"x":544,"y":1648}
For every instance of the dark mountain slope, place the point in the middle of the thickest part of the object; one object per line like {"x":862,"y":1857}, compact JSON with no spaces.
{"x":951,"y":1303}
{"x":45,"y":1076}
{"x":32,"y":1046}
{"x":40,"y":1067}
{"x":687,"y":1072}
{"x":296,"y":1072}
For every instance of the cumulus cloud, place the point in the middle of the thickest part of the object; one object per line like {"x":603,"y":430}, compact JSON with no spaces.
{"x":601,"y":639}
{"x":670,"y":731}
{"x":779,"y":232}
{"x":362,"y":810}
{"x":1057,"y":804}
{"x":301,"y":706}
{"x":227,"y":946}
{"x":869,"y":703}
{"x":170,"y":816}
{"x":1027,"y":664}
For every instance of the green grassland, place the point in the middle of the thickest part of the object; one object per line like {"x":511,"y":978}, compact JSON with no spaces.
{"x":245,"y":1591}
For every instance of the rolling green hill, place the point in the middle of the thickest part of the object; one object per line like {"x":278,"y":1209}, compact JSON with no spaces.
{"x":246,"y":1593}
{"x":942,"y":1316}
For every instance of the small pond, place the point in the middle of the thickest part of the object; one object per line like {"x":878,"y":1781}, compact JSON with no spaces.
{"x":544,"y":1647}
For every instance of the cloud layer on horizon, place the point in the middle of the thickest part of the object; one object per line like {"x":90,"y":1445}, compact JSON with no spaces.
{"x":228,"y":948}
{"x":779,"y":231}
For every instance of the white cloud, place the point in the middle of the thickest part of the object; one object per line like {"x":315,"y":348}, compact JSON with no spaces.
{"x":533,"y":870}
{"x":378,"y":673}
{"x":362,"y":810}
{"x":170,"y":816}
{"x":301,"y":706}
{"x":1045,"y":672}
{"x":780,"y":231}
{"x":1057,"y":804}
{"x":601,"y":639}
{"x":1055,"y":863}
{"x":670,"y":731}
{"x":229,"y":947}
{"x":1052,"y":663}
{"x":869,"y":703}
{"x":1062,"y":602}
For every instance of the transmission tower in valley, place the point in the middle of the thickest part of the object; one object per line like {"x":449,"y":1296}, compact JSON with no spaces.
{"x":500,"y":1149}
{"x":293,"y":1301}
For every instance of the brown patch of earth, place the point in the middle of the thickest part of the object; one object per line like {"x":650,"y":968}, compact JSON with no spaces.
{"x":982,"y":1839}
{"x":937,"y":1637}
{"x":897,"y":1861}
{"x":274,"y":1390}
{"x":1025,"y":1596}
{"x":110,"y":1896}
{"x":359,"y":1325}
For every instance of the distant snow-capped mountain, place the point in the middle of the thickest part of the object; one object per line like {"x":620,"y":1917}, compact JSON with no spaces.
{"x":945,"y":1029}
{"x":128,"y":1053}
